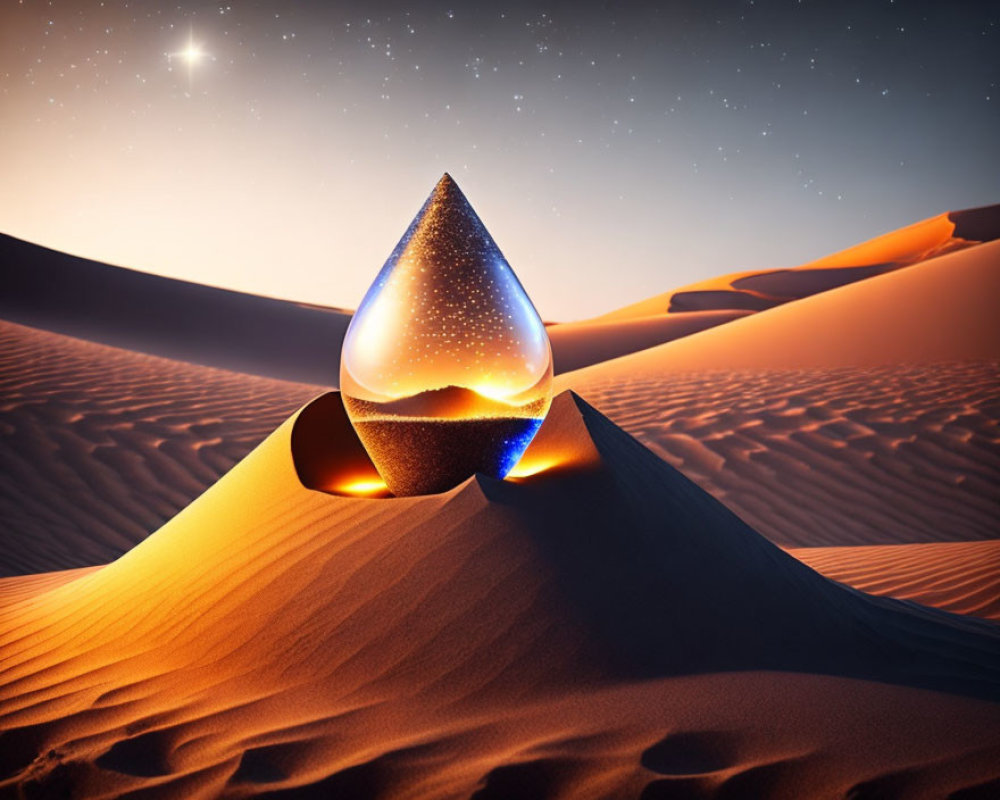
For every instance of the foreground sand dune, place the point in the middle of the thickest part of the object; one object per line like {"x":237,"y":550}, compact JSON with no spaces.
{"x":600,"y":628}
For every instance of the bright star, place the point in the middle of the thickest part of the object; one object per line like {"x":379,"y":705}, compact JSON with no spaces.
{"x":192,"y":55}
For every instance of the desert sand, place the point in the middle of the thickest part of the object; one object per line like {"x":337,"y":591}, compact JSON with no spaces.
{"x":756,"y":290}
{"x":863,"y":415}
{"x":703,"y":305}
{"x":601,"y":624}
{"x":171,"y":318}
{"x":957,"y":576}
{"x":580,"y":344}
{"x":100,"y":446}
{"x":600,"y":628}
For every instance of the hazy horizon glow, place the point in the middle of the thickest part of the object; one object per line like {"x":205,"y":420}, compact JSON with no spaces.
{"x":613,"y":154}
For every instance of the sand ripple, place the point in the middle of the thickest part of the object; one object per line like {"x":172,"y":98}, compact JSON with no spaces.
{"x":960,"y":577}
{"x":100,"y":446}
{"x":844,"y":456}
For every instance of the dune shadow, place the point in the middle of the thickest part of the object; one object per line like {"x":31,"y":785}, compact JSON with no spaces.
{"x":669,"y":581}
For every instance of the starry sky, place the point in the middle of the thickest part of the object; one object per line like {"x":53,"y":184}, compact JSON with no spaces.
{"x":614,"y":150}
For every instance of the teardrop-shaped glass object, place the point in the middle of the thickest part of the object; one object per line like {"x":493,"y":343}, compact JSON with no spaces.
{"x":446,"y":368}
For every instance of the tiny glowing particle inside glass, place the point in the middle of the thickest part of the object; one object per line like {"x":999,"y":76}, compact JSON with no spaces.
{"x":446,"y":368}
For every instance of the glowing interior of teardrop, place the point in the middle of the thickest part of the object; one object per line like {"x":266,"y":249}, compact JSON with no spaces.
{"x":446,"y":335}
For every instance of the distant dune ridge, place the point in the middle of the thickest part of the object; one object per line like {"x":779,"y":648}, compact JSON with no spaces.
{"x":864,"y":415}
{"x":301,"y":343}
{"x":762,"y":289}
{"x":168,"y":317}
{"x":583,"y":632}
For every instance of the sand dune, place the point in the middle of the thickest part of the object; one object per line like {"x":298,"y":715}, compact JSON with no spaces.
{"x":171,"y":318}
{"x":960,"y":577}
{"x":21,"y":587}
{"x":939,"y":310}
{"x":720,"y":300}
{"x":300,"y":342}
{"x":757,"y":290}
{"x":816,"y":456}
{"x":600,"y":628}
{"x":579,"y":344}
{"x":845,"y":456}
{"x":864,"y":415}
{"x":100,"y":446}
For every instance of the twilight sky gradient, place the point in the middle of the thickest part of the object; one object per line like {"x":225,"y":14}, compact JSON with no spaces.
{"x":613,"y":150}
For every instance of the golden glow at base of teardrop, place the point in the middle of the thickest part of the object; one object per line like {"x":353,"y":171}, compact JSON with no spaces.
{"x":525,"y":468}
{"x":493,"y":391}
{"x":362,"y":487}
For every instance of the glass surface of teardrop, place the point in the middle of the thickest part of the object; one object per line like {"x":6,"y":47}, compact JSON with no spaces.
{"x":446,"y":368}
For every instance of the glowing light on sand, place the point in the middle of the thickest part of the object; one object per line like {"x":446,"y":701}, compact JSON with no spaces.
{"x":446,"y":368}
{"x":527,"y":467}
{"x":362,"y":487}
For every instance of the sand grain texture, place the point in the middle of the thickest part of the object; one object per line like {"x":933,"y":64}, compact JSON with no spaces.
{"x":100,"y":446}
{"x":869,"y":414}
{"x":961,"y":577}
{"x":601,"y":628}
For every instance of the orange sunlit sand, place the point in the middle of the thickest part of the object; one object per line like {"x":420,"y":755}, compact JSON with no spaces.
{"x":335,"y":659}
{"x":613,"y":619}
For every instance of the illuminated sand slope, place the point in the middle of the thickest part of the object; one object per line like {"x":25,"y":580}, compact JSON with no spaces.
{"x":864,"y":415}
{"x":697,"y":307}
{"x":600,"y":628}
{"x":758,"y":290}
{"x":101,"y":446}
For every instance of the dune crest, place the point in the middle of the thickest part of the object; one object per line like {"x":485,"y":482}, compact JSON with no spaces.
{"x":757,"y":290}
{"x":938,"y":310}
{"x":720,"y":300}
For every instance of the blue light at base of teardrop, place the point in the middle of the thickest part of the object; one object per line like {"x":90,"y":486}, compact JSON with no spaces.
{"x":514,"y":446}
